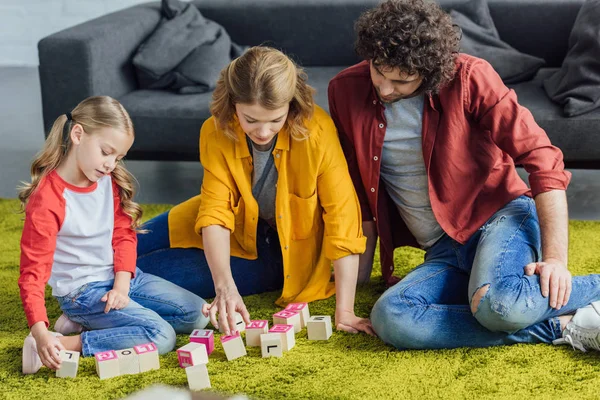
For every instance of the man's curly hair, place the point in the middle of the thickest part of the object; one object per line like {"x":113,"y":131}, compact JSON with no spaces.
{"x":416,"y":36}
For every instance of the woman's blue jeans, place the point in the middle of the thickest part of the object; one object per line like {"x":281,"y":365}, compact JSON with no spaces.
{"x":430,"y":307}
{"x":157,"y":310}
{"x":189,"y":269}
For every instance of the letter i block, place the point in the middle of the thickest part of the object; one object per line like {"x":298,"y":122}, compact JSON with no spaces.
{"x":254,"y":330}
{"x":319,"y":327}
{"x":69,"y":365}
{"x":192,"y":354}
{"x":288,"y":318}
{"x":233,"y":346}
{"x":107,"y":364}
{"x":302,"y":308}
{"x":148,"y":356}
{"x":271,"y":345}
{"x":197,"y":377}
{"x":129,"y":362}
{"x":240,"y":325}
{"x":288,"y":340}
{"x":204,"y":336}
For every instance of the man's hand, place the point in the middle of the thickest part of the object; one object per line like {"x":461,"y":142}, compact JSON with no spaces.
{"x":555,"y":279}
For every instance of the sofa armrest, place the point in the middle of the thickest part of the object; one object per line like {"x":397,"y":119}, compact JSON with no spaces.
{"x":93,"y":58}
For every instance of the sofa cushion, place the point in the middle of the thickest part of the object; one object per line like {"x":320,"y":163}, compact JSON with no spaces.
{"x":577,"y":137}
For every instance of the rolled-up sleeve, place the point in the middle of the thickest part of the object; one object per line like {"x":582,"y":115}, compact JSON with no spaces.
{"x":342,"y":214}
{"x":513,"y":128}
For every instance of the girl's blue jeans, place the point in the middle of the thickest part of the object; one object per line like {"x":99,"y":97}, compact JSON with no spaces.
{"x":189,"y":269}
{"x":430,"y":307}
{"x":157,"y":310}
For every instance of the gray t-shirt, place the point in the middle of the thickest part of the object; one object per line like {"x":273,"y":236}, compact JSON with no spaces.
{"x":266,"y":193}
{"x":403,"y":169}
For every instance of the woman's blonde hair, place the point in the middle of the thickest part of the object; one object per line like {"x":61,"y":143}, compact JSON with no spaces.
{"x":267,"y":77}
{"x":92,"y":114}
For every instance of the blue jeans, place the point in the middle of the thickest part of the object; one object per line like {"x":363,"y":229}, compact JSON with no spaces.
{"x":430,"y":307}
{"x":157,"y":310}
{"x":189,"y":269}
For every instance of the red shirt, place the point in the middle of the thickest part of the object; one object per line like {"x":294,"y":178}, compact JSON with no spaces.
{"x":474,"y":132}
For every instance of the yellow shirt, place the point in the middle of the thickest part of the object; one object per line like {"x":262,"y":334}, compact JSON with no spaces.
{"x":316,"y":207}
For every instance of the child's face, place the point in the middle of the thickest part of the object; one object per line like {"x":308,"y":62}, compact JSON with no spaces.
{"x":97,"y":154}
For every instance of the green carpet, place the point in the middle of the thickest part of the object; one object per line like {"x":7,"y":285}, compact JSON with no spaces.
{"x":345,"y":367}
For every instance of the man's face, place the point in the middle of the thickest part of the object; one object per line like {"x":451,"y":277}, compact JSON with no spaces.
{"x":392,"y":84}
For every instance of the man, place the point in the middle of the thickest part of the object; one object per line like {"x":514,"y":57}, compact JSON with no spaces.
{"x":432,"y":137}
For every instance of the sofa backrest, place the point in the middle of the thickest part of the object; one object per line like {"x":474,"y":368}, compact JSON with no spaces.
{"x":321,"y":32}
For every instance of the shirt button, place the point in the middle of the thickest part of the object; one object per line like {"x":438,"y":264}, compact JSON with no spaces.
{"x":374,"y":219}
{"x":373,"y":190}
{"x":375,"y":158}
{"x":277,"y":155}
{"x":280,"y":216}
{"x":374,"y":101}
{"x":381,"y":125}
{"x":286,"y":247}
{"x":288,"y":277}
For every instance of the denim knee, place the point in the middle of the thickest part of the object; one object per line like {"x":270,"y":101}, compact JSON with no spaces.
{"x":500,"y":312}
{"x":164,"y":337}
{"x":393,"y":322}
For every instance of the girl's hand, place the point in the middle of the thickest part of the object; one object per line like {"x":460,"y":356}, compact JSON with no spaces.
{"x":348,"y":322}
{"x":226,"y":303}
{"x":115,"y":299}
{"x":48,"y":348}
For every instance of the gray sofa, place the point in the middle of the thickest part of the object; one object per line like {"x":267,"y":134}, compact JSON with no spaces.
{"x":94,"y":58}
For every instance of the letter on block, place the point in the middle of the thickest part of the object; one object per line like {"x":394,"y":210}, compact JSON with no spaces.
{"x":240,"y":325}
{"x":107,"y":364}
{"x":204,"y":336}
{"x":254,"y":330}
{"x":288,"y":318}
{"x":270,"y":345}
{"x":197,"y":377}
{"x":319,"y":327}
{"x":288,"y":340}
{"x":302,"y":308}
{"x":148,"y":356}
{"x":69,"y":365}
{"x":192,"y":354}
{"x":233,"y":346}
{"x":129,"y":362}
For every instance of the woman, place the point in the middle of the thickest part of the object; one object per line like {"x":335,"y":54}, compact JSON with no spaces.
{"x":277,"y":203}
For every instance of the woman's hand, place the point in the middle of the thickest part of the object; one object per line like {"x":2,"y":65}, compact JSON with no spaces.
{"x":348,"y":322}
{"x":226,"y":303}
{"x":48,"y":347}
{"x":115,"y":299}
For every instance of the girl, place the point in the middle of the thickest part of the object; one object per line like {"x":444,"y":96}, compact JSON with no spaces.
{"x":80,"y":237}
{"x":277,"y":204}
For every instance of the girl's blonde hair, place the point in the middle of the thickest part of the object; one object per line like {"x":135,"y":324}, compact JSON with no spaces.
{"x":92,"y":114}
{"x":267,"y":77}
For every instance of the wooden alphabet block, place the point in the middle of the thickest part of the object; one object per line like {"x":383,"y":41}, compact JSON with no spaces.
{"x":302,"y":308}
{"x":204,"y":336}
{"x":107,"y":364}
{"x":147,"y":356}
{"x":288,"y":340}
{"x":271,"y":345}
{"x":197,"y":377}
{"x":129,"y":362}
{"x":192,"y":354}
{"x":240,"y":325}
{"x":69,"y":364}
{"x":288,"y":318}
{"x":233,"y":346}
{"x":319,"y":327}
{"x":254,"y":330}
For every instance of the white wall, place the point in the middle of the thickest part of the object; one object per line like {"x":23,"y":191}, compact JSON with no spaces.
{"x":24,"y":22}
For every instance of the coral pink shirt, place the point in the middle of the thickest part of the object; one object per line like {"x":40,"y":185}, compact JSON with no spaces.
{"x":474,"y":132}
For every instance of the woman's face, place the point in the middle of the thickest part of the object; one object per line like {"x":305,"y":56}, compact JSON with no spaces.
{"x":261,"y":125}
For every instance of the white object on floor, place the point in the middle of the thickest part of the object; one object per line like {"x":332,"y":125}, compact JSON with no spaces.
{"x":319,"y":327}
{"x":69,"y":364}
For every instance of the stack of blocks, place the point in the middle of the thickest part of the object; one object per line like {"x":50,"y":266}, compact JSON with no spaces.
{"x":273,"y":342}
{"x":135,"y":360}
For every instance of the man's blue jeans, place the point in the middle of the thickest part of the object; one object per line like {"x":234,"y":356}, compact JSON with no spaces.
{"x":430,"y":307}
{"x":157,"y":310}
{"x":189,"y":269}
